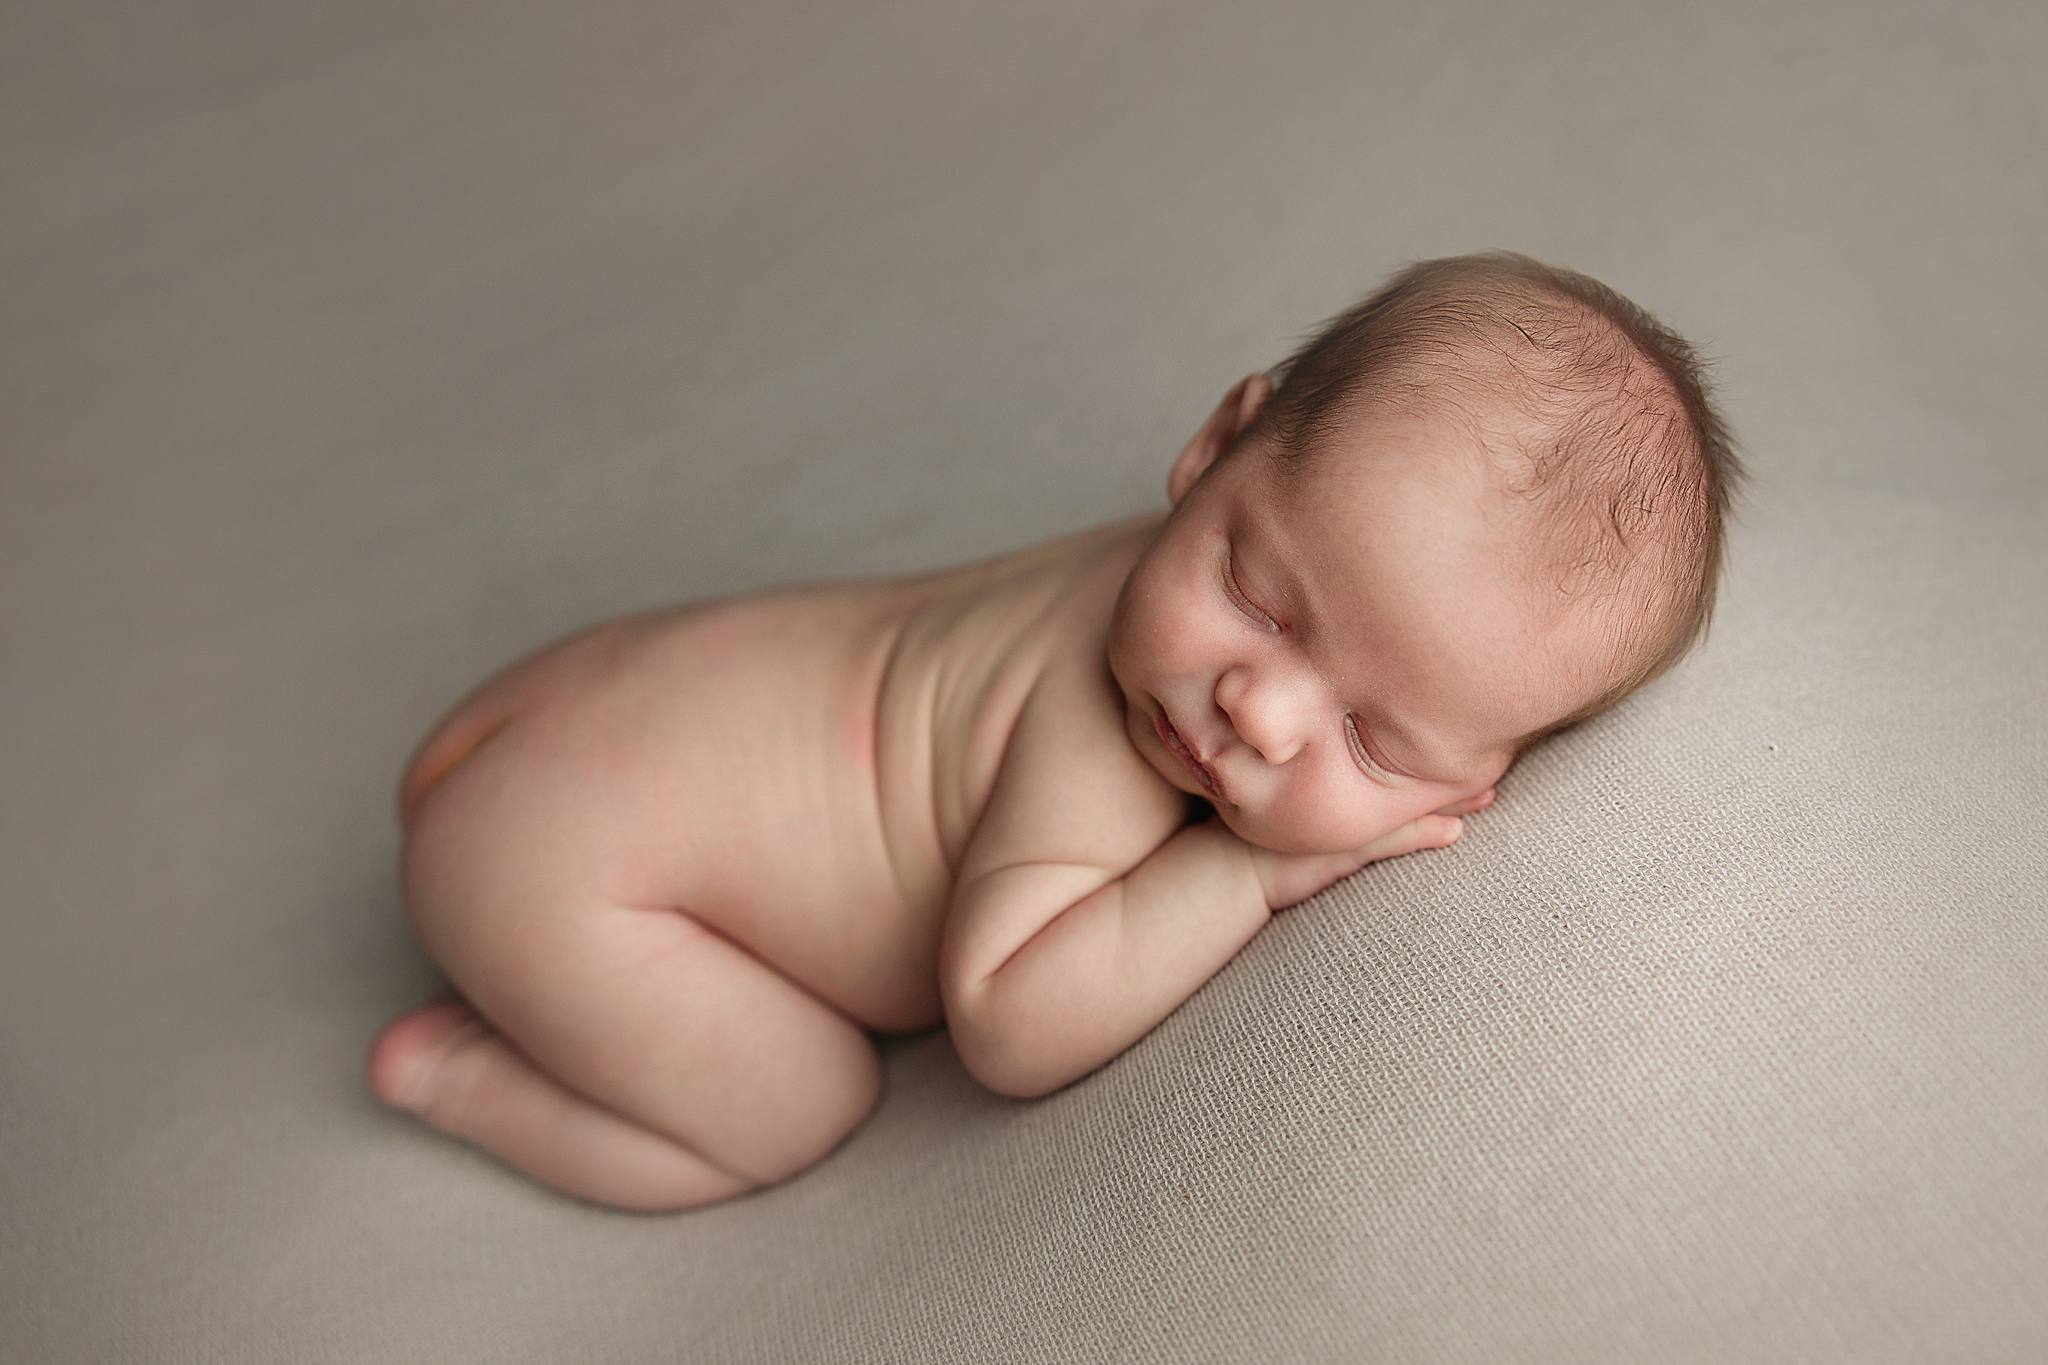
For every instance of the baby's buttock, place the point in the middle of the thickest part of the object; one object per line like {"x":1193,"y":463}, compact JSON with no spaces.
{"x":741,"y":737}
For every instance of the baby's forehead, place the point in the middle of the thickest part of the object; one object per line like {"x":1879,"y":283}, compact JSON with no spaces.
{"x":1409,"y":551}
{"x":1338,"y":517}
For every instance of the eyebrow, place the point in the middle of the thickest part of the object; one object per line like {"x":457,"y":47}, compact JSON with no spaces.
{"x":1295,"y":588}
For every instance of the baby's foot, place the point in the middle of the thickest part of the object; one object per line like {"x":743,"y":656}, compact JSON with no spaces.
{"x":446,"y":1064}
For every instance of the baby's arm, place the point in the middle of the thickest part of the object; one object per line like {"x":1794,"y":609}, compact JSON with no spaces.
{"x":1099,"y":958}
{"x":1101,"y":971}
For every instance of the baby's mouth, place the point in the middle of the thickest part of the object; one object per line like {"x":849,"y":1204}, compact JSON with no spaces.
{"x":1170,"y":737}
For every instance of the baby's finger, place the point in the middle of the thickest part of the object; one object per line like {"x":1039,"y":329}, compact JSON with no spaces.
{"x":1430,"y":831}
{"x":1470,"y":804}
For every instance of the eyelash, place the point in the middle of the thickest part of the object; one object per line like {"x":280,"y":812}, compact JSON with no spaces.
{"x":1237,"y":595}
{"x":1265,"y":622}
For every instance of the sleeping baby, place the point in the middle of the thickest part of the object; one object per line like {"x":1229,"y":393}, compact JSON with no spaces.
{"x":679,"y":866}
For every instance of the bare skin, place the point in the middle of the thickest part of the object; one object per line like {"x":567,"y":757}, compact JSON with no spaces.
{"x":664,"y":999}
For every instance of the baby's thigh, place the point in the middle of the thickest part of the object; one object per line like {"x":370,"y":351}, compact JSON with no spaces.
{"x":572,"y":809}
{"x":643,"y":1009}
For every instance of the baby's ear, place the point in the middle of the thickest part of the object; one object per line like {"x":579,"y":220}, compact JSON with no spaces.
{"x":1228,"y":422}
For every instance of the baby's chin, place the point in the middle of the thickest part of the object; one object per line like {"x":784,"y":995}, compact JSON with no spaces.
{"x":1278,"y":840}
{"x":1296,"y":839}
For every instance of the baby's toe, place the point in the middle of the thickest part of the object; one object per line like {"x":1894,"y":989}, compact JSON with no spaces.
{"x":410,"y":1049}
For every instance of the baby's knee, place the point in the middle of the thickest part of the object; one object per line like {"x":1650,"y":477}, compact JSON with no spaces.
{"x":847,"y":1094}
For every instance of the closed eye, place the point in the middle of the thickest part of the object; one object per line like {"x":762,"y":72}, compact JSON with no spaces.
{"x":1237,"y":596}
{"x":1358,"y":750}
{"x":1352,"y":739}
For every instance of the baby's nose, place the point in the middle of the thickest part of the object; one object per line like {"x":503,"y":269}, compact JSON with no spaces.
{"x":1267,"y":726}
{"x":1275,"y":744}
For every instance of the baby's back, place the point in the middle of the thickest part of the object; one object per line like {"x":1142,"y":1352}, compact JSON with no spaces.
{"x":803,"y":767}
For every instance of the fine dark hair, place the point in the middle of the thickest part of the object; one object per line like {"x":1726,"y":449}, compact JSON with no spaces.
{"x":1595,"y":420}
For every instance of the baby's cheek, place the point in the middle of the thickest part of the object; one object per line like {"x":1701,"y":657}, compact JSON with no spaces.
{"x":1332,"y":827}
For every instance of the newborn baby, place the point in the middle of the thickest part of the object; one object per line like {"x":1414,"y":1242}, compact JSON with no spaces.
{"x":678,"y":866}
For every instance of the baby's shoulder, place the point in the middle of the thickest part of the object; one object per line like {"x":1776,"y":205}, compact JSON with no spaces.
{"x":1072,"y":786}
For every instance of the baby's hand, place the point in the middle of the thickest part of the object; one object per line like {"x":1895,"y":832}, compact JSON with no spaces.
{"x":1291,"y":878}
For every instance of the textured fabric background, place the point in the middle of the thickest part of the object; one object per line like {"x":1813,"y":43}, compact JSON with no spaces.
{"x":353,"y":350}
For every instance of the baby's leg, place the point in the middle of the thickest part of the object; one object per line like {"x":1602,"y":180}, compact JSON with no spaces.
{"x":446,"y":1064}
{"x":632,"y":1057}
{"x":627,"y":1055}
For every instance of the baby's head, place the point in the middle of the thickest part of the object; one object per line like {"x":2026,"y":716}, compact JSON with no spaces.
{"x":1481,"y":506}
